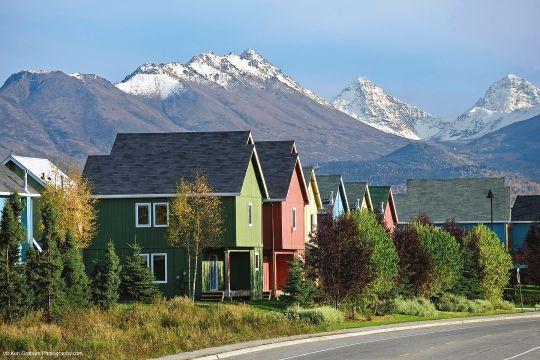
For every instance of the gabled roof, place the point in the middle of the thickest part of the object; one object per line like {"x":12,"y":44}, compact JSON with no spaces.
{"x":279,"y":161}
{"x":153,"y":163}
{"x":311,"y":178}
{"x":330,"y":184}
{"x":10,"y":182}
{"x":358,"y":191}
{"x":379,"y":195}
{"x":462,"y":199}
{"x":526,"y":208}
{"x":41,"y":170}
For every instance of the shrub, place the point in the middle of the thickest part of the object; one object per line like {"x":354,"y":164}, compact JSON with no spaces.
{"x":504,"y":305}
{"x":382,"y":264}
{"x":491,"y":263}
{"x":453,"y":303}
{"x":418,"y":306}
{"x":531,"y":255}
{"x":326,"y":315}
{"x":446,"y":257}
{"x":299,"y":290}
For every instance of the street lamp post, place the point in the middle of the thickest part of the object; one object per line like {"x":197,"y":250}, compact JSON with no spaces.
{"x":490,"y":197}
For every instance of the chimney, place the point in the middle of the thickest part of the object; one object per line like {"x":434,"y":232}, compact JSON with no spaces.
{"x":331,"y":197}
{"x":25,"y":181}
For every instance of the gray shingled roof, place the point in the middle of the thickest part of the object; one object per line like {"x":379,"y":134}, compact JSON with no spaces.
{"x":153,"y":163}
{"x":526,"y":208}
{"x":328,"y":183}
{"x":278,"y":162}
{"x":10,"y":182}
{"x":307,"y":170}
{"x":462,"y":199}
{"x":379,"y":194}
{"x":355,"y":190}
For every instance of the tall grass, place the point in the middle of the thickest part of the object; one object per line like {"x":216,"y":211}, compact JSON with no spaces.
{"x":143,"y":331}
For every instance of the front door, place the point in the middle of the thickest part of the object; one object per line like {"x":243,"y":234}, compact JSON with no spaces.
{"x":214,"y":273}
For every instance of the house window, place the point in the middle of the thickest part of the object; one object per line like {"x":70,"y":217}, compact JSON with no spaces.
{"x":159,"y":267}
{"x":142,"y":215}
{"x":257,"y":259}
{"x":312,"y":222}
{"x":294,"y":218}
{"x":145,"y":259}
{"x":250,"y":214}
{"x":161,"y":214}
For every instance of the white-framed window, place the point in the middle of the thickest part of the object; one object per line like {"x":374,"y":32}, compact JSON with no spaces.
{"x":257,"y":260}
{"x":161,"y":214}
{"x":294,"y":218}
{"x":142,"y":215}
{"x":250,"y":214}
{"x":145,"y":259}
{"x":159,"y":267}
{"x":312,"y":222}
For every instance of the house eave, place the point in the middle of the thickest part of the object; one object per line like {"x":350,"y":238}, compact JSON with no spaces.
{"x":135,"y":196}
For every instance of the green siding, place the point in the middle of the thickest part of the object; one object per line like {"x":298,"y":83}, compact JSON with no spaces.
{"x":249,"y":236}
{"x":116,"y":221}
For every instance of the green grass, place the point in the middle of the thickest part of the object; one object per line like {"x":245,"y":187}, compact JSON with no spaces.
{"x":136,"y":331}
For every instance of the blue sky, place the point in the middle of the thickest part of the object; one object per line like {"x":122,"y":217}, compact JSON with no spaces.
{"x":438,"y":55}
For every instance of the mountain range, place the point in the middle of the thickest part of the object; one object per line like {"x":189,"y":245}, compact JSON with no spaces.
{"x":54,"y":114}
{"x":506,"y":101}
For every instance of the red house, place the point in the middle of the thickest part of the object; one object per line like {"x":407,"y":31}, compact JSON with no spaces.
{"x":283,"y":212}
{"x":383,"y":202}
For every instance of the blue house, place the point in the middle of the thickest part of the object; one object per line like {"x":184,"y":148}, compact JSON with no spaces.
{"x":333,"y":194}
{"x":525,"y":212}
{"x":11,"y":183}
{"x":464,"y":200}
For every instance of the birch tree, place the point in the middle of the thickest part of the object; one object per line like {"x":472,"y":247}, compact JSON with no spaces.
{"x":195,"y":222}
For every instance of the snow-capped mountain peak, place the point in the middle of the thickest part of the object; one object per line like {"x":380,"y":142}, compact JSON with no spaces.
{"x":249,"y":68}
{"x":367,"y":102}
{"x":506,"y":101}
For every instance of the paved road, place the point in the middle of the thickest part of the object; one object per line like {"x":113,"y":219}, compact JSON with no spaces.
{"x":497,"y":340}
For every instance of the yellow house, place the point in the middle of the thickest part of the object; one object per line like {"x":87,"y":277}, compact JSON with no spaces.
{"x":315,"y":203}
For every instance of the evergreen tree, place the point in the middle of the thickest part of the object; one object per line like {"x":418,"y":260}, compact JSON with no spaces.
{"x":299,"y":290}
{"x":137,"y":280}
{"x":531,"y":255}
{"x":106,"y":279}
{"x":44,"y":270}
{"x":74,"y":275}
{"x":13,"y":297}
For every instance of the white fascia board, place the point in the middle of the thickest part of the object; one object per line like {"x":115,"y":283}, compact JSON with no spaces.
{"x":22,"y":194}
{"x":135,"y":196}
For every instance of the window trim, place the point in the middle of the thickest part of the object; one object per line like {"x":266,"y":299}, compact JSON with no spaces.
{"x":152,"y":267}
{"x":147,"y":257}
{"x":250,"y":214}
{"x":294,"y":218}
{"x":154,"y":214}
{"x":149,"y":206}
{"x":257,"y":261}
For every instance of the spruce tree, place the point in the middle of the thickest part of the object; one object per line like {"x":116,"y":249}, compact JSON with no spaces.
{"x":299,"y":290}
{"x":137,"y":280}
{"x":44,"y":270}
{"x":13,"y":297}
{"x":74,"y":275}
{"x":106,"y":279}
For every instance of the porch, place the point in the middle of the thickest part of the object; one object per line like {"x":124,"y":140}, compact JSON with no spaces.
{"x":275,"y":277}
{"x":232,"y":273}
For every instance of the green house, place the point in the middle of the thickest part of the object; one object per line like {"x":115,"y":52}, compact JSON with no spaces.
{"x":135,"y":182}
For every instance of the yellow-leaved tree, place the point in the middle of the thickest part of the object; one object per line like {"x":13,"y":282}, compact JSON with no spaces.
{"x":69,"y":192}
{"x":195,"y":222}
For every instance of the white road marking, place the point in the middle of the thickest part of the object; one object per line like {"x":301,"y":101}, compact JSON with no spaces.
{"x":523,"y":353}
{"x":411,"y":335}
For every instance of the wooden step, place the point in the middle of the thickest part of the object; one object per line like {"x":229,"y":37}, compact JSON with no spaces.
{"x":213,"y":296}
